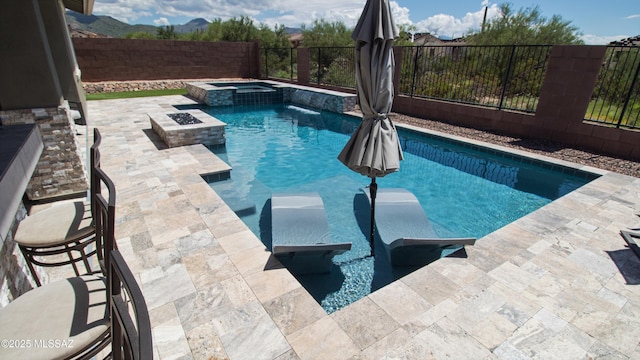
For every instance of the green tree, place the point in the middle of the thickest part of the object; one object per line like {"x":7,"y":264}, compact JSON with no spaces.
{"x":241,"y":29}
{"x":527,"y":26}
{"x":234,"y":29}
{"x":140,"y":35}
{"x":194,"y":35}
{"x":405,"y":35}
{"x":166,"y":32}
{"x":327,"y":34}
{"x":277,"y":51}
{"x":276,"y":38}
{"x":328,"y":56}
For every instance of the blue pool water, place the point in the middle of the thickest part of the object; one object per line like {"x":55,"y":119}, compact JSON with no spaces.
{"x":285,"y":148}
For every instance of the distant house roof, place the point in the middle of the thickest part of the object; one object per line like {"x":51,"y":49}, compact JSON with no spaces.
{"x":630,"y":41}
{"x":76,"y":32}
{"x":296,"y":39}
{"x":426,"y":39}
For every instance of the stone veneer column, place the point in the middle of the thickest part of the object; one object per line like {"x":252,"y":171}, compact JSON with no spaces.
{"x":15,"y":277}
{"x":60,"y":171}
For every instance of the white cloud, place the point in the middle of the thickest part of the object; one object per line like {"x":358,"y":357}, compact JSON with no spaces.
{"x":400,"y":14}
{"x":292,"y":13}
{"x":601,"y":40}
{"x":448,"y":25}
{"x":163,"y":21}
{"x":288,"y":12}
{"x":123,"y":10}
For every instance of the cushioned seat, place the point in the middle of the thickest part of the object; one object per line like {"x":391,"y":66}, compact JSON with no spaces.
{"x":66,"y":228}
{"x":70,"y":314}
{"x":68,"y":318}
{"x":61,"y":223}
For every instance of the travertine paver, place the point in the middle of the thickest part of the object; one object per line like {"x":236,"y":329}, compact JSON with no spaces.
{"x":559,"y":283}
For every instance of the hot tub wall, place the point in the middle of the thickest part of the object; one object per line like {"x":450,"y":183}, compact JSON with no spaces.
{"x":321,"y":99}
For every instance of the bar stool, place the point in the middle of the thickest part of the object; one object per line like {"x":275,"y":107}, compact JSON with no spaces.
{"x":68,"y":318}
{"x":66,"y":228}
{"x":130,"y":330}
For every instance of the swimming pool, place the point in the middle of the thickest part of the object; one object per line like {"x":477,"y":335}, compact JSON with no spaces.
{"x":464,"y":191}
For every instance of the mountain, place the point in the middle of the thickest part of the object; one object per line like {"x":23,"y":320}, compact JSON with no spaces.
{"x":292,"y":31}
{"x":108,"y":26}
{"x":191,"y":26}
{"x":104,"y":25}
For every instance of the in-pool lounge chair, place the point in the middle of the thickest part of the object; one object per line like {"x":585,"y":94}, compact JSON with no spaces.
{"x":300,"y":233}
{"x":632,"y":237}
{"x":405,"y":230}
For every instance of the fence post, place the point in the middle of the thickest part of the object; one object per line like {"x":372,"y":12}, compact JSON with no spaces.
{"x":318,"y":73}
{"x":291,"y":64}
{"x":415,"y":71}
{"x":506,"y":77}
{"x":626,"y":101}
{"x":266,"y":62}
{"x":304,"y":65}
{"x":398,"y":52}
{"x":255,"y":62}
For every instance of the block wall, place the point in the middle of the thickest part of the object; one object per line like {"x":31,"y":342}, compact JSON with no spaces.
{"x":108,"y":59}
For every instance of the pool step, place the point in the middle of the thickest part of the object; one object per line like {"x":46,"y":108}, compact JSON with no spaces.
{"x":228,"y":191}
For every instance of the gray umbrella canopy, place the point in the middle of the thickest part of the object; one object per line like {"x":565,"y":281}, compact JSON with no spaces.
{"x":374,"y":150}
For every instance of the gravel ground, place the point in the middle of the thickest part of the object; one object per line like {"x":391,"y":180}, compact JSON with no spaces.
{"x":543,"y":147}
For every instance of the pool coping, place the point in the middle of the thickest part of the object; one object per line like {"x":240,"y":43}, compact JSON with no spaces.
{"x":440,"y":301}
{"x":500,"y":150}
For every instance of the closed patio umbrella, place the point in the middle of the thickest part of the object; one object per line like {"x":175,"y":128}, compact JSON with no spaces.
{"x":374,"y":150}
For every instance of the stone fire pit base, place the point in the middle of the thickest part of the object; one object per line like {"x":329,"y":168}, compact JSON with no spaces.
{"x":209,"y":132}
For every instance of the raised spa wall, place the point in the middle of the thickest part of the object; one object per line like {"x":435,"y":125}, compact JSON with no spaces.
{"x":224,"y":95}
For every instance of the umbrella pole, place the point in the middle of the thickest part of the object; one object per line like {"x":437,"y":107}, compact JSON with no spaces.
{"x":373,"y":190}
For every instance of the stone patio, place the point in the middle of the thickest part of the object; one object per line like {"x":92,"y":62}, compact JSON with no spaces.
{"x":559,"y":283}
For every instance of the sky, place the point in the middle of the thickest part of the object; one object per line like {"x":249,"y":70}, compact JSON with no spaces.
{"x":598,"y":21}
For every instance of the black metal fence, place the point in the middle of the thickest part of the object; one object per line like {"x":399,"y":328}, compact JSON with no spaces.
{"x":503,"y":77}
{"x":616,"y":96}
{"x":280,"y":63}
{"x":333,"y":66}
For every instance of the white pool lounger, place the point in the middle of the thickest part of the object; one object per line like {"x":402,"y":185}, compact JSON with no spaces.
{"x":405,"y":230}
{"x":632,"y":237}
{"x":300,"y":233}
